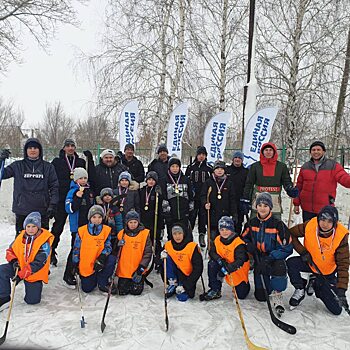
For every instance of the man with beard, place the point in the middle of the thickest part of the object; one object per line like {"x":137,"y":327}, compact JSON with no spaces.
{"x":317,"y":182}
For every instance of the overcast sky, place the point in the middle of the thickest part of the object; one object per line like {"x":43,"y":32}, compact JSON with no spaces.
{"x":48,"y":77}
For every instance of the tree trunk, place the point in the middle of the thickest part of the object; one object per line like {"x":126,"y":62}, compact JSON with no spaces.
{"x":222,"y":85}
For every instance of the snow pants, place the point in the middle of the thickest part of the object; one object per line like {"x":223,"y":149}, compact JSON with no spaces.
{"x":32,"y":289}
{"x":216,"y":279}
{"x":89,"y":283}
{"x":296,"y":265}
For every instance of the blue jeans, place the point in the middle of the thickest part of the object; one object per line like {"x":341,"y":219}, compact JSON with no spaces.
{"x":32,"y":289}
{"x":296,"y":265}
{"x":215,"y":283}
{"x":89,"y":283}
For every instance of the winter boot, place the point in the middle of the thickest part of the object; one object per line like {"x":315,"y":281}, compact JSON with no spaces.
{"x":105,"y":289}
{"x":310,"y":290}
{"x":69,"y":281}
{"x":201,"y":240}
{"x":277,"y":302}
{"x":181,"y":294}
{"x":297,"y":297}
{"x":4,"y":303}
{"x":54,"y":260}
{"x":211,"y":295}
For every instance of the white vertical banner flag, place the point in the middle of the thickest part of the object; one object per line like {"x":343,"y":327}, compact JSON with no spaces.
{"x":215,"y":136}
{"x":128,"y":122}
{"x":176,"y":128}
{"x":257,"y":132}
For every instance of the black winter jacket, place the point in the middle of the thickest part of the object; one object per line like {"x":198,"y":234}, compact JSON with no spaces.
{"x":238,"y":176}
{"x":135,"y":168}
{"x":160,"y":167}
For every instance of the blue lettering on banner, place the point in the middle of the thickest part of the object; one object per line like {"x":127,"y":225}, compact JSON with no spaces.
{"x":129,"y":127}
{"x":259,"y":134}
{"x":180,"y":121}
{"x":217,"y":139}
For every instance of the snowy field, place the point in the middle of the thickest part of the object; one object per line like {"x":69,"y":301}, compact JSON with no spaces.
{"x":137,"y":322}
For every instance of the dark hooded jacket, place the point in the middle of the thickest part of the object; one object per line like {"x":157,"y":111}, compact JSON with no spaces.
{"x":160,"y":167}
{"x":63,"y":172}
{"x":135,"y":168}
{"x":35,"y":185}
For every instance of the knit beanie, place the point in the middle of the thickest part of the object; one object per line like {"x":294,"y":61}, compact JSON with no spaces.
{"x":201,"y":150}
{"x":129,"y":145}
{"x":107,"y":152}
{"x":328,"y":213}
{"x":265,"y":198}
{"x":124,"y":175}
{"x":107,"y":191}
{"x":219,"y":164}
{"x":318,"y":143}
{"x":226,"y":222}
{"x":162,"y":148}
{"x":132,"y":215}
{"x":95,"y":209}
{"x":174,"y":160}
{"x":152,"y":175}
{"x":69,"y":142}
{"x":177,"y":228}
{"x":238,"y":154}
{"x":33,"y":218}
{"x":78,"y":173}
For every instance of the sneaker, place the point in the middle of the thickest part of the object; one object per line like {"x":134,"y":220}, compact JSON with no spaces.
{"x":297,"y":297}
{"x":201,"y":240}
{"x":310,"y":288}
{"x":105,"y":289}
{"x":277,"y":302}
{"x":54,"y":260}
{"x":70,"y":282}
{"x":4,"y":303}
{"x":211,"y":295}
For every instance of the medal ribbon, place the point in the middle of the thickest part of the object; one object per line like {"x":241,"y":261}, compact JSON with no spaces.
{"x":148,"y":195}
{"x":121,"y":192}
{"x":71,"y":167}
{"x":176,"y":183}
{"x":222,"y":185}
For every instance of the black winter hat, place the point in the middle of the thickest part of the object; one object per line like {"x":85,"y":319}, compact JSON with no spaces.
{"x":129,"y":145}
{"x":328,"y":213}
{"x":318,"y":143}
{"x":162,"y":148}
{"x":33,"y":142}
{"x":68,"y":142}
{"x":152,"y":175}
{"x":132,"y":215}
{"x":174,"y":160}
{"x":202,"y":150}
{"x":219,"y":164}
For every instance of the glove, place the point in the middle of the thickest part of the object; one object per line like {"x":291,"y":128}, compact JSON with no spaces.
{"x":16,"y":279}
{"x":292,"y":192}
{"x":306,"y":257}
{"x":251,"y":248}
{"x":263,"y":267}
{"x":244,"y":206}
{"x":163,"y":254}
{"x":75,"y":269}
{"x":223,"y":265}
{"x":100,"y":263}
{"x":166,"y":207}
{"x":88,"y":154}
{"x":137,"y":275}
{"x":121,"y":242}
{"x":342,"y":298}
{"x":191,"y":206}
{"x":5,"y":154}
{"x":51,"y":211}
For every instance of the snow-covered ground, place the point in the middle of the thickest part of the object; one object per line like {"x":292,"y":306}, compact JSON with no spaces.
{"x":137,"y":322}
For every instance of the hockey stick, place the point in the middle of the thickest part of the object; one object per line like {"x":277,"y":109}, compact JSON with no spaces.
{"x":208,"y":224}
{"x":291,"y":200}
{"x":165,"y":298}
{"x":82,"y":321}
{"x":331,"y":289}
{"x":280,"y":324}
{"x":250,"y":345}
{"x":3,"y":338}
{"x":2,"y":170}
{"x":103,"y":324}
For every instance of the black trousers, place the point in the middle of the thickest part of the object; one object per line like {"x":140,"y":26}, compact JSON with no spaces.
{"x":20,"y":220}
{"x":201,"y":213}
{"x":307,"y":215}
{"x":58,"y":225}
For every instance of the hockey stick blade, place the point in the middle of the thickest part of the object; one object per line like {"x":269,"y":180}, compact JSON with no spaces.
{"x":3,"y":338}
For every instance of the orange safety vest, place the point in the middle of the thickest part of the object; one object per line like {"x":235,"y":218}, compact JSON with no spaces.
{"x":323,"y":249}
{"x":227,"y":252}
{"x":182,"y":258}
{"x":132,"y":253}
{"x":18,"y":248}
{"x":90,"y":249}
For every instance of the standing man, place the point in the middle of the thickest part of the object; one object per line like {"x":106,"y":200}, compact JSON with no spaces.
{"x":105,"y":174}
{"x":64,"y":165}
{"x":317,"y":182}
{"x":267,"y":175}
{"x":238,"y":175}
{"x":198,"y":172}
{"x":35,"y":185}
{"x":160,"y":164}
{"x":134,"y":165}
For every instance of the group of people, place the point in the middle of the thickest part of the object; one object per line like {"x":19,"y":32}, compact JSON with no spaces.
{"x":118,"y":215}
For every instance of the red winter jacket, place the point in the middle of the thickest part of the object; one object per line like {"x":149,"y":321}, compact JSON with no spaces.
{"x":316,"y":187}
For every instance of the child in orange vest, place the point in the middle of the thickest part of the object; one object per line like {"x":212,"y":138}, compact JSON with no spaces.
{"x":326,"y":246}
{"x":184,"y":264}
{"x":229,"y":259}
{"x":30,"y":253}
{"x":92,"y":253}
{"x":135,"y":255}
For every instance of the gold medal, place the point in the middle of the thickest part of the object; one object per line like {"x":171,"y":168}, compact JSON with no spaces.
{"x":176,"y":189}
{"x":81,"y":189}
{"x":146,"y":207}
{"x":121,"y":208}
{"x":219,"y":196}
{"x":71,"y":176}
